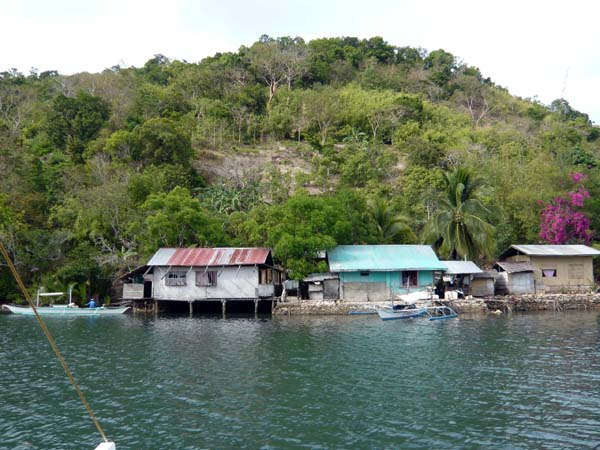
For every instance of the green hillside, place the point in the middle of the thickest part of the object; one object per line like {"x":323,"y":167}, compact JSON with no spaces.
{"x":289,"y":144}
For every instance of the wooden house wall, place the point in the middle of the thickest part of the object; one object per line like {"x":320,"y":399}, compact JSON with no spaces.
{"x":133,"y":291}
{"x":232,"y":282}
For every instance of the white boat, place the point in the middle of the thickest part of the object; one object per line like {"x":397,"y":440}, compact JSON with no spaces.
{"x":407,"y":312}
{"x":65,"y":310}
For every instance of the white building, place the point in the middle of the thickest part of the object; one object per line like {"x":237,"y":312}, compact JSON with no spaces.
{"x":192,"y":274}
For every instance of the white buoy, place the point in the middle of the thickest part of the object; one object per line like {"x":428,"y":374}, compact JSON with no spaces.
{"x":107,"y":446}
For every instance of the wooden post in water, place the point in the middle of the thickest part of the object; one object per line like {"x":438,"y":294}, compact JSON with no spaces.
{"x":224,"y":307}
{"x":191,"y":308}
{"x":155,"y":306}
{"x":255,"y":307}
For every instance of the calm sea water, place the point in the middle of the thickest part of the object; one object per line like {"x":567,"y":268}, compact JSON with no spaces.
{"x":510,"y":382}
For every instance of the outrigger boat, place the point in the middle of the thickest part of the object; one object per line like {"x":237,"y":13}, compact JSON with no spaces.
{"x":401,"y":312}
{"x":408,"y":308}
{"x":441,"y":312}
{"x":70,"y":309}
{"x":65,"y":310}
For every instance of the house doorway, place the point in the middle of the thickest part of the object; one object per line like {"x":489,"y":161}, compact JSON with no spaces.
{"x":147,"y":289}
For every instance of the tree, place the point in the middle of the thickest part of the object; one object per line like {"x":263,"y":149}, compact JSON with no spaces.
{"x":390,"y":227}
{"x":562,"y":220}
{"x":176,"y":219}
{"x":333,"y":60}
{"x":110,"y":225}
{"x":379,"y":49}
{"x":323,"y":107}
{"x":302,"y":227}
{"x":15,"y":104}
{"x":160,"y":141}
{"x":156,"y":70}
{"x":362,"y":162}
{"x":441,"y":66}
{"x":458,"y":228}
{"x":474,"y":96}
{"x":278,"y":60}
{"x":75,"y":121}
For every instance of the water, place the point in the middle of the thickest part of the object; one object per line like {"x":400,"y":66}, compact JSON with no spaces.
{"x":517,"y":382}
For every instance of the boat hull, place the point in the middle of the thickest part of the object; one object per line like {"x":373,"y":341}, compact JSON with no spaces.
{"x":390,"y":314}
{"x":62,"y":311}
{"x":359,"y":312}
{"x":441,"y":313}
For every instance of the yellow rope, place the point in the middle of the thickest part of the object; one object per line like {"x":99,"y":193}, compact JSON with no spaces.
{"x":51,"y":340}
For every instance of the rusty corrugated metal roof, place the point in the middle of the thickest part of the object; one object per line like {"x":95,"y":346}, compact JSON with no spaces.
{"x":210,"y":256}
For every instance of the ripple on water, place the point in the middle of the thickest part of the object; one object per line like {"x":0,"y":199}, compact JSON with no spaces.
{"x":518,"y":382}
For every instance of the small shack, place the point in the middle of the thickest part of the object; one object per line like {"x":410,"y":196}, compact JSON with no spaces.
{"x":135,"y":285}
{"x":482,"y":284}
{"x":381,"y":272}
{"x":321,"y":286}
{"x":556,"y":268}
{"x":514,"y":278}
{"x":459,"y":275}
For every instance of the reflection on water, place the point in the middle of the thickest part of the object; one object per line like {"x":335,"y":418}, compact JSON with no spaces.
{"x":517,"y":382}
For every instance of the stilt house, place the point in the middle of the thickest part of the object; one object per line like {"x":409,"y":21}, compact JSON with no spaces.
{"x":192,"y":274}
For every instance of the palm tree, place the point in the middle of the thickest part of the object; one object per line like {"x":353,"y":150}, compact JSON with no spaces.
{"x":390,"y":227}
{"x":459,"y":228}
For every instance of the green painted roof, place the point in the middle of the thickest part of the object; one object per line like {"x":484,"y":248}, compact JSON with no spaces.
{"x":351,"y":258}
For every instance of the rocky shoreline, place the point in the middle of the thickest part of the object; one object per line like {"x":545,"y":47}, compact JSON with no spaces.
{"x":498,"y":304}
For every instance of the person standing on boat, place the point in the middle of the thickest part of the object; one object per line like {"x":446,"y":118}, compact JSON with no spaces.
{"x":91,"y":303}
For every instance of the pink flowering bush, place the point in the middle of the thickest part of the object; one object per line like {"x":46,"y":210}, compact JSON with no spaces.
{"x":562,"y":221}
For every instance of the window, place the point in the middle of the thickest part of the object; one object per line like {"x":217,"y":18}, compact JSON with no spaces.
{"x":364,"y":274}
{"x":176,"y":278}
{"x":409,"y":278}
{"x":208,"y":278}
{"x":576,"y":272}
{"x":265,"y":276}
{"x":548,"y":273}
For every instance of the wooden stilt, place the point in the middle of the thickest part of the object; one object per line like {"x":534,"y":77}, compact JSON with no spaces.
{"x":255,"y":306}
{"x":224,"y":307}
{"x":191,"y":308}
{"x":155,"y":307}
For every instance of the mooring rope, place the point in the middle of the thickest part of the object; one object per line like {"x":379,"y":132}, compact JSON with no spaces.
{"x":51,"y":340}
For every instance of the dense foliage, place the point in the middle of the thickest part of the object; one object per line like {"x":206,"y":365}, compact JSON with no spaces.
{"x":296,"y":145}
